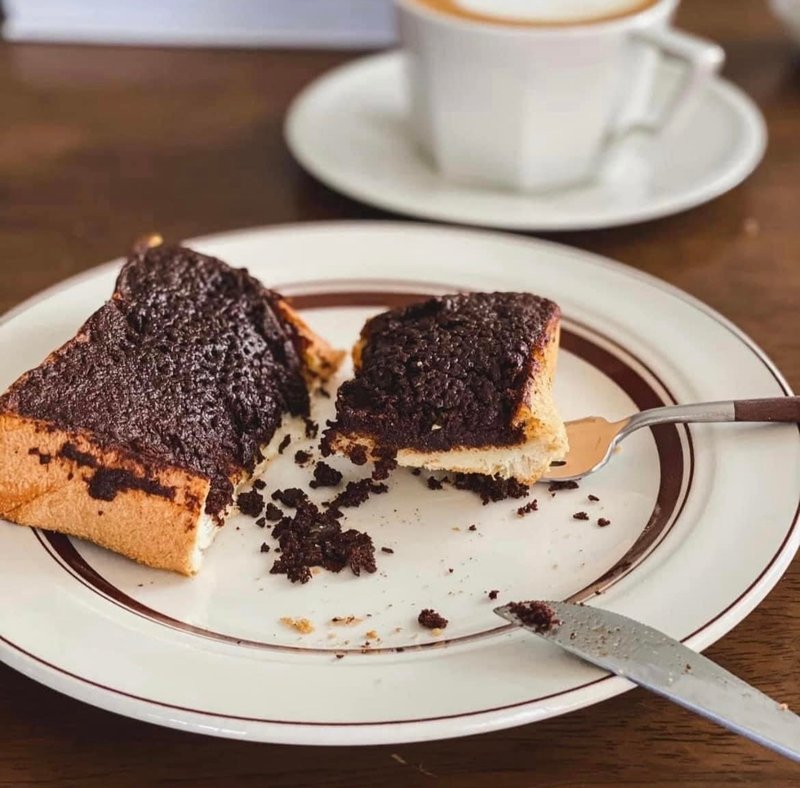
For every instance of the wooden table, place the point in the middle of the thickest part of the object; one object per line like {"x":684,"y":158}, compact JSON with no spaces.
{"x":98,"y":145}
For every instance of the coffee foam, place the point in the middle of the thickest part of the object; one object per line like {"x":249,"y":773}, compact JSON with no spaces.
{"x":538,"y":12}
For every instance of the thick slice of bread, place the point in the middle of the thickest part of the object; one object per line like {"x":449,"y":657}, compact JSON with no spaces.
{"x":65,"y":478}
{"x":543,"y":438}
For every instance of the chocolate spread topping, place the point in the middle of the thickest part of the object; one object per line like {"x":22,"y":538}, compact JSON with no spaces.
{"x":189,"y":364}
{"x":447,"y":372}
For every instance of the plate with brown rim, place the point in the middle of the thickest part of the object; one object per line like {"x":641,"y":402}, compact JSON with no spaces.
{"x":703,"y":519}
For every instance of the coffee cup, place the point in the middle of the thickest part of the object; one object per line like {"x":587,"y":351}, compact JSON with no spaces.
{"x":530,"y":95}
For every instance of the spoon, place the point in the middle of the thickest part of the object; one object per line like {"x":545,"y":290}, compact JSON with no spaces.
{"x":592,"y":440}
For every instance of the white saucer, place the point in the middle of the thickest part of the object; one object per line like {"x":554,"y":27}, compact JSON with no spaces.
{"x":348,"y":129}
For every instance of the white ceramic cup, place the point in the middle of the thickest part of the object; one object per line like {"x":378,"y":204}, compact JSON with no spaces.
{"x":533,"y":109}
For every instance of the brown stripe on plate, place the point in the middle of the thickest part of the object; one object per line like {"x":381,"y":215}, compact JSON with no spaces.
{"x":670,"y":498}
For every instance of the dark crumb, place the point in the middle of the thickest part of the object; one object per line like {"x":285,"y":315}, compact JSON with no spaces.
{"x":273,"y":513}
{"x":493,"y":593}
{"x":264,"y":547}
{"x":325,"y":476}
{"x":580,"y":516}
{"x":339,"y":656}
{"x":323,"y":392}
{"x":556,"y":486}
{"x":292,"y":497}
{"x":572,"y":636}
{"x":287,"y":439}
{"x":250,"y":503}
{"x":593,"y":497}
{"x":687,"y":668}
{"x":356,"y":493}
{"x":314,"y":538}
{"x":387,"y":550}
{"x":434,"y":483}
{"x":383,"y":468}
{"x":312,"y":428}
{"x":532,"y":506}
{"x":358,"y":455}
{"x":473,"y":527}
{"x":450,"y":571}
{"x":603,"y":522}
{"x":416,"y":471}
{"x":538,"y":615}
{"x":301,"y":457}
{"x":259,"y":484}
{"x":399,"y":649}
{"x":490,"y":488}
{"x":431,"y":619}
{"x":261,"y":522}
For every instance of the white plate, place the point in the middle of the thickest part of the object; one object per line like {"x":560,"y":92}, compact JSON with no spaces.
{"x":348,"y":129}
{"x":209,"y":654}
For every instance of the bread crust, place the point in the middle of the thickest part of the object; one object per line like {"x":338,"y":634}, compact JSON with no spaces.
{"x":41,"y":487}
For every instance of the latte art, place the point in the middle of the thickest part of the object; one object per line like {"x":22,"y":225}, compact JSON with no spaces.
{"x":537,"y":12}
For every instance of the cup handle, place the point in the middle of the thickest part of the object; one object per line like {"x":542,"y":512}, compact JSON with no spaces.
{"x":702,"y":59}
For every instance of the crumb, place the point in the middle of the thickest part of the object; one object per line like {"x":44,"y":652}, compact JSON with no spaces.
{"x":387,"y":550}
{"x":264,"y":547}
{"x":436,"y":631}
{"x":434,"y":483}
{"x":293,"y":497}
{"x":490,"y":488}
{"x":259,"y":484}
{"x":556,"y":486}
{"x":261,"y":522}
{"x":603,"y":522}
{"x":371,"y":635}
{"x":287,"y":439}
{"x":339,"y":656}
{"x":325,"y":476}
{"x":593,"y":497}
{"x":688,"y":668}
{"x":572,"y":636}
{"x":538,"y":615}
{"x":580,"y":516}
{"x":312,"y":428}
{"x":302,"y":625}
{"x":493,"y":593}
{"x":455,"y":528}
{"x":358,"y":455}
{"x":356,"y":493}
{"x":315,"y":570}
{"x":312,"y":538}
{"x":431,"y":619}
{"x":383,"y":467}
{"x":273,"y":513}
{"x":532,"y":506}
{"x":301,"y":457}
{"x":783,"y":706}
{"x":250,"y":503}
{"x":416,"y":471}
{"x":346,"y":620}
{"x":450,"y":571}
{"x":399,"y":649}
{"x":473,"y":527}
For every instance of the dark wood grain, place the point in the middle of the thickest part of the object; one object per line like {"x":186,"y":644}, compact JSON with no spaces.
{"x":98,"y":145}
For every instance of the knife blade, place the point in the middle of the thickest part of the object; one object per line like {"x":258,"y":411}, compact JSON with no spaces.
{"x":665,"y":666}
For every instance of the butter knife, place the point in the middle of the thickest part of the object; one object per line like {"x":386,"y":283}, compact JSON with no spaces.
{"x":667,"y":667}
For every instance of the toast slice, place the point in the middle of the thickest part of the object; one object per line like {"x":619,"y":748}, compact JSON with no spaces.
{"x":137,"y":433}
{"x":457,"y":383}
